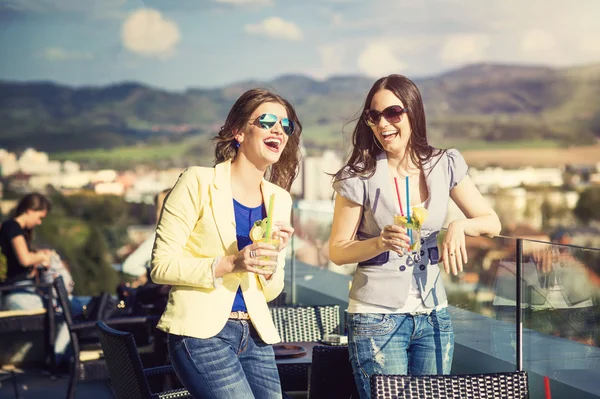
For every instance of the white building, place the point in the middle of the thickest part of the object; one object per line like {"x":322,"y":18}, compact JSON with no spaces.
{"x":494,"y":178}
{"x":314,"y":180}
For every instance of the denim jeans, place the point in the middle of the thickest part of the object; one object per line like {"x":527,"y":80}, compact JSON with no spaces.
{"x":399,"y":344}
{"x":234,"y":364}
{"x":22,"y":298}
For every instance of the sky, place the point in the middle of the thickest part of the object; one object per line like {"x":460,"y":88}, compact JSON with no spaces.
{"x":182,"y":44}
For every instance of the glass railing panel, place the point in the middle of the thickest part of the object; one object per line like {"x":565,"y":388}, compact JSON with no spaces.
{"x":561,"y":289}
{"x":482,"y":299}
{"x":561,"y":312}
{"x":311,"y":271}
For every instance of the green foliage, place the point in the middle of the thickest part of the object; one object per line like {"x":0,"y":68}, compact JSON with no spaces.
{"x":480,"y":103}
{"x":94,"y":273}
{"x":588,"y":205}
{"x":3,"y":267}
{"x":87,"y":230}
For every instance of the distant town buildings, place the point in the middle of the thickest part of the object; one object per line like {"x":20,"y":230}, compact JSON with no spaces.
{"x":520,"y":195}
{"x":34,"y":171}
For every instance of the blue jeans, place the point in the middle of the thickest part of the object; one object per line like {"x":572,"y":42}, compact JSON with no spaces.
{"x":234,"y":364}
{"x":399,"y":344}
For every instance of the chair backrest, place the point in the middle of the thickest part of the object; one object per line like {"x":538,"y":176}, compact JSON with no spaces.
{"x":331,"y":374}
{"x":124,"y":364}
{"x":513,"y":385}
{"x":306,"y":323}
{"x":63,"y":300}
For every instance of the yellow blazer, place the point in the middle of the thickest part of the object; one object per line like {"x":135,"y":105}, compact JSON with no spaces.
{"x":196,"y":229}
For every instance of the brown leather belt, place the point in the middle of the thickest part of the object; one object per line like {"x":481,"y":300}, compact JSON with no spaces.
{"x":239,"y":315}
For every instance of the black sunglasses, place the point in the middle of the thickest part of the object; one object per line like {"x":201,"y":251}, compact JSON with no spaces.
{"x":393,"y":114}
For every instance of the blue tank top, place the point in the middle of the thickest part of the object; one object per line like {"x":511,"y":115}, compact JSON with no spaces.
{"x":244,"y":219}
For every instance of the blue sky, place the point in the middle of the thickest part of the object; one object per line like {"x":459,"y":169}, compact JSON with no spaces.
{"x":178,"y":44}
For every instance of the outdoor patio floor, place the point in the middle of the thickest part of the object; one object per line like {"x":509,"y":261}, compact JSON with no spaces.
{"x":34,"y":384}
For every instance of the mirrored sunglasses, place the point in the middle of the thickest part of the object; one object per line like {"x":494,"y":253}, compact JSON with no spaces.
{"x":267,"y":121}
{"x":393,"y":114}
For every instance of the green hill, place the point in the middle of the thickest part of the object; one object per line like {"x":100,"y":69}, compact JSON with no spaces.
{"x":481,"y":102}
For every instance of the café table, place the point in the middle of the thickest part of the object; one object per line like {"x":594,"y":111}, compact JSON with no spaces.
{"x":305,"y":358}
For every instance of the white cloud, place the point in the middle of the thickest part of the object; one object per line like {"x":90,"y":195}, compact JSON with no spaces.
{"x":332,"y":60}
{"x":379,"y":59}
{"x":464,"y":48}
{"x":590,"y":45}
{"x":537,"y":40}
{"x":275,"y":28}
{"x":60,"y":54}
{"x":337,"y":20}
{"x":246,"y":2}
{"x":147,"y":33}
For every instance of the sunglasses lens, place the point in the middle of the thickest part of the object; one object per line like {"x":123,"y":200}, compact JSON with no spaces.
{"x":372,"y":117}
{"x":288,"y":126}
{"x":393,"y":114}
{"x":267,"y":121}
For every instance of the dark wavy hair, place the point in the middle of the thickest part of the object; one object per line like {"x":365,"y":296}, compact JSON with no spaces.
{"x":365,"y":148}
{"x":286,"y":169}
{"x":33,"y":202}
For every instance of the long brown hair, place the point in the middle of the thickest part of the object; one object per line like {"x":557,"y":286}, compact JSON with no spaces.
{"x":33,"y":202}
{"x":285,"y":170}
{"x":365,"y":147}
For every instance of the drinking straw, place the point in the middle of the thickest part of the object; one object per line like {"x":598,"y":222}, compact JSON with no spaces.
{"x":547,"y":387}
{"x":398,"y":195}
{"x":408,"y":211}
{"x":270,"y":215}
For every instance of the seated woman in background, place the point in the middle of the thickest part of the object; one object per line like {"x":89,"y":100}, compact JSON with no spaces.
{"x":16,"y":235}
{"x":144,"y":293}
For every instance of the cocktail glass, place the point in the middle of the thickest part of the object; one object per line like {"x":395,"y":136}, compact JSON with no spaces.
{"x":413,"y":231}
{"x":274,"y":240}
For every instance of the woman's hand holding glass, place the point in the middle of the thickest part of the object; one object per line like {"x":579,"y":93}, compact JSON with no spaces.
{"x":285,"y":234}
{"x":393,"y":238}
{"x":256,"y":258}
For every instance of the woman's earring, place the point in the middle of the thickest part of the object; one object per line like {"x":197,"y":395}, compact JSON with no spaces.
{"x":237,"y":144}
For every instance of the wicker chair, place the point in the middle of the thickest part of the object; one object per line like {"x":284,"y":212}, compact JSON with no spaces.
{"x":87,"y":363}
{"x":17,"y":321}
{"x":331,"y":374}
{"x":306,"y":323}
{"x":302,"y":324}
{"x":127,"y":376}
{"x":510,"y":385}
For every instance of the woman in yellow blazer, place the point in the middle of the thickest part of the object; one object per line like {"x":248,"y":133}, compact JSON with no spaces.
{"x":219,"y":327}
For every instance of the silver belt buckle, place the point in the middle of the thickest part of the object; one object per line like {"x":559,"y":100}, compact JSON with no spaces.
{"x":420,"y":313}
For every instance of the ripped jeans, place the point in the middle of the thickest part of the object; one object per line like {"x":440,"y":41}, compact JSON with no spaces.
{"x":399,"y":344}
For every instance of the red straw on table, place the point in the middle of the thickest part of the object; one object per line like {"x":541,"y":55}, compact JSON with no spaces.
{"x":547,"y":387}
{"x":398,"y":194}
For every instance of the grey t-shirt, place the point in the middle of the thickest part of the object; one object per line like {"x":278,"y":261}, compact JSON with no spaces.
{"x":356,"y":188}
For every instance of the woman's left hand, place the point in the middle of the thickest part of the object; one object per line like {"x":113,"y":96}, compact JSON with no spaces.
{"x":454,"y":252}
{"x":285,"y":234}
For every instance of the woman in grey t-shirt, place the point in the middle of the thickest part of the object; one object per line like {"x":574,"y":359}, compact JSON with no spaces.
{"x":398,"y":322}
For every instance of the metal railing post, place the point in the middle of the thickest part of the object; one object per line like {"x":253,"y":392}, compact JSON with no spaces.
{"x":519,"y":310}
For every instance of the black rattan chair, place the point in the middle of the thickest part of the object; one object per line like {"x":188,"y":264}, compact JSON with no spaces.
{"x":127,"y":376}
{"x":87,"y":362}
{"x":331,"y":374}
{"x":306,"y":323}
{"x":510,"y":385}
{"x":302,"y":324}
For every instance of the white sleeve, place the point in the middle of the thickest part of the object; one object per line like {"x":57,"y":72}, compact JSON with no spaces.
{"x":138,"y":261}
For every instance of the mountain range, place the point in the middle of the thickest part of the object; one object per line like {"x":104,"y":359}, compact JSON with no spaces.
{"x":480,"y":102}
